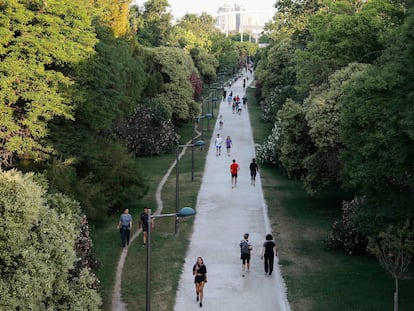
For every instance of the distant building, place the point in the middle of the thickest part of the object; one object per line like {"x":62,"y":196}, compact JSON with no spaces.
{"x":236,"y":19}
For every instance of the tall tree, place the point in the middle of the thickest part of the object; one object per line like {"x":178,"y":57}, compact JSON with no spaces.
{"x":39,"y":41}
{"x":340,"y":33}
{"x":155,"y":23}
{"x":378,"y":132}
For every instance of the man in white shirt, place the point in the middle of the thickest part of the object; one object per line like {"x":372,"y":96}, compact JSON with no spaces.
{"x":218,"y":143}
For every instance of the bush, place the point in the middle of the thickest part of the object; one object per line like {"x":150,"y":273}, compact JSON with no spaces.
{"x":345,"y":234}
{"x":269,"y":152}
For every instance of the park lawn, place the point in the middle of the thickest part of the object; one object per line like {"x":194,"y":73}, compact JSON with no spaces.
{"x":317,"y":278}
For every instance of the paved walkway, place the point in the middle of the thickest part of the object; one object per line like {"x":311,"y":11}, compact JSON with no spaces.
{"x":223,"y":216}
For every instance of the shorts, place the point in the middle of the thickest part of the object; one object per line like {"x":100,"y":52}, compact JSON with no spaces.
{"x":234,"y":175}
{"x":253,"y":173}
{"x":199,"y":279}
{"x":144,"y":228}
{"x":245,"y":258}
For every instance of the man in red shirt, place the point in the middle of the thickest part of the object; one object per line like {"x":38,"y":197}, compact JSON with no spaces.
{"x":234,"y":169}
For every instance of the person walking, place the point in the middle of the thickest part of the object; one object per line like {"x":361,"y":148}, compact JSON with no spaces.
{"x":200,"y":278}
{"x":269,"y":251}
{"x":244,"y":100}
{"x":143,"y":223}
{"x":221,"y":122}
{"x":234,"y":170}
{"x":230,"y":99}
{"x":245,"y":250}
{"x":218,"y":143}
{"x":229,"y":143}
{"x":125,"y":227}
{"x":253,"y":171}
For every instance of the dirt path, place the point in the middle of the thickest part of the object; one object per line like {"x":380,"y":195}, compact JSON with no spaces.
{"x":117,"y":304}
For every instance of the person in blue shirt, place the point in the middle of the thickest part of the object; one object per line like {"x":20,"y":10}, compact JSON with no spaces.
{"x":125,"y":227}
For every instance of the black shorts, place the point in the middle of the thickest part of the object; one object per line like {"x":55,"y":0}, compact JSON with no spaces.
{"x":199,"y":279}
{"x":252,"y":173}
{"x":245,"y":258}
{"x":144,"y":228}
{"x":233,"y":175}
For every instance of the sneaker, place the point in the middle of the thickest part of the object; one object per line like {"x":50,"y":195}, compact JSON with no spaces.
{"x":197,"y":298}
{"x":143,"y":244}
{"x":201,"y":304}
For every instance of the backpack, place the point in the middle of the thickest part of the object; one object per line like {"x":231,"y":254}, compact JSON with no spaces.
{"x":245,"y":248}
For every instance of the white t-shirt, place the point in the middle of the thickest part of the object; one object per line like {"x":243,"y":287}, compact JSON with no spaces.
{"x":219,"y":141}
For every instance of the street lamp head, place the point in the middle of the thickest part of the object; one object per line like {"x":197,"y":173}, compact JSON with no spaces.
{"x":186,"y":212}
{"x":199,"y":143}
{"x":209,"y":115}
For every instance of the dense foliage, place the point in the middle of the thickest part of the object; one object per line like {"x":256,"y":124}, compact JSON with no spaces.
{"x":37,"y":252}
{"x":336,"y":82}
{"x":86,"y":87}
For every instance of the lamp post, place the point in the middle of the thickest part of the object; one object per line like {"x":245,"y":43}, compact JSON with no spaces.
{"x":199,"y":143}
{"x":184,"y":212}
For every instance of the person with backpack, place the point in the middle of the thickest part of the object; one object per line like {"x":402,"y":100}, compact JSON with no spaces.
{"x":245,"y":250}
{"x":269,"y":252}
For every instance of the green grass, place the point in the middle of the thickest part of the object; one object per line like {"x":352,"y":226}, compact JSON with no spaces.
{"x":317,"y":278}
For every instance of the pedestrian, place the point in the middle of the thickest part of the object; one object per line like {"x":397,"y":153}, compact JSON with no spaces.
{"x":244,"y":83}
{"x":234,"y":169}
{"x":200,"y":278}
{"x":253,"y":171}
{"x":229,"y":143}
{"x":125,"y":227}
{"x":218,"y":143}
{"x":239,"y":108}
{"x":245,"y":250}
{"x":224,"y":94}
{"x":244,"y":99}
{"x":143,"y":223}
{"x":269,"y":251}
{"x":221,"y":122}
{"x":229,"y":99}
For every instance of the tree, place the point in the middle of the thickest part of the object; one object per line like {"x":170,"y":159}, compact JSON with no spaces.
{"x":340,"y":33}
{"x":39,"y":43}
{"x":295,"y":143}
{"x":37,"y":249}
{"x":150,"y":130}
{"x":277,"y":77}
{"x":205,"y":63}
{"x":155,"y":23}
{"x":323,"y":113}
{"x":377,"y":131}
{"x":394,"y":249}
{"x":193,"y":31}
{"x":176,"y":68}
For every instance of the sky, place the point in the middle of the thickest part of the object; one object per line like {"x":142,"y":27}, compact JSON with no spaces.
{"x":181,"y":7}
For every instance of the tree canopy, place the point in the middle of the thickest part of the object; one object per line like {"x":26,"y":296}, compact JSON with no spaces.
{"x":37,"y":249}
{"x":335,"y":80}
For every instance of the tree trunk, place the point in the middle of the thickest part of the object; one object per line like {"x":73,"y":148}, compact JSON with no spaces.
{"x":396,"y":295}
